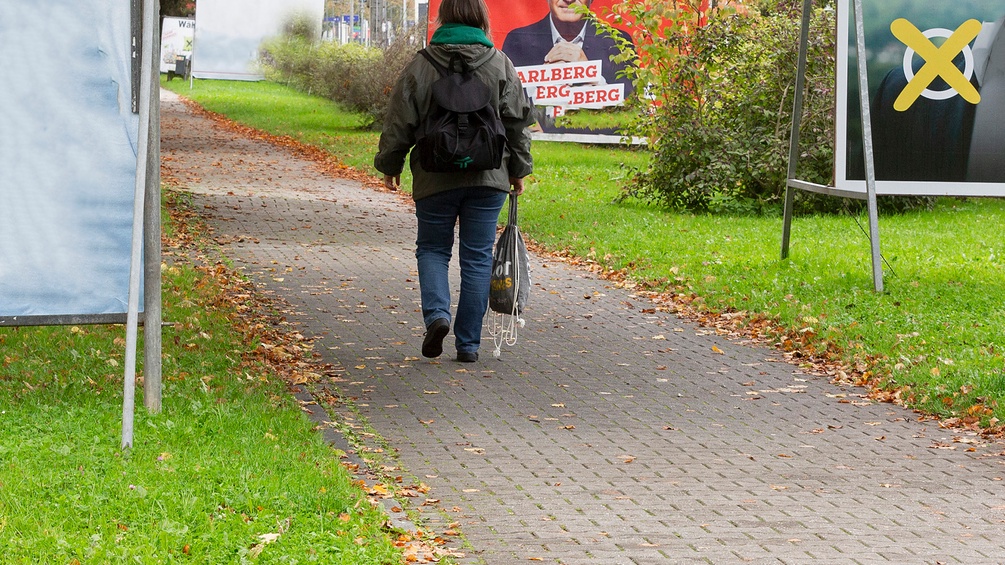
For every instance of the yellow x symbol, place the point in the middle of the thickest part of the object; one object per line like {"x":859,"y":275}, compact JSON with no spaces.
{"x":938,"y":61}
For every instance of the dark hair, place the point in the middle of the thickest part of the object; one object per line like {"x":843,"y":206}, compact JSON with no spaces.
{"x":474,"y":13}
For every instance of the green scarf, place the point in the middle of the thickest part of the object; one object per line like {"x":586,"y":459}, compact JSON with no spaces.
{"x":459,"y":34}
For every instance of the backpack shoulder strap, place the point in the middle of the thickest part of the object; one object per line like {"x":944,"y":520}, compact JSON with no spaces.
{"x":440,"y":68}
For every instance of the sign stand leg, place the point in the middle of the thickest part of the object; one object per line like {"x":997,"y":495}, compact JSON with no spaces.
{"x":867,"y":149}
{"x":152,"y":307}
{"x":797,"y":114}
{"x":132,"y":317}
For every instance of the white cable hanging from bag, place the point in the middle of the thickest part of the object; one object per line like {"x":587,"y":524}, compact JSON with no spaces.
{"x":503,"y":327}
{"x":510,"y":284}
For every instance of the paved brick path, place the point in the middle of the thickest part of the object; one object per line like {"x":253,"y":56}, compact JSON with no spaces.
{"x":609,"y":434}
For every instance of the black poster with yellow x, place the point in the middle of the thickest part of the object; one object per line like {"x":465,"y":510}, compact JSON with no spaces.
{"x":936,"y":97}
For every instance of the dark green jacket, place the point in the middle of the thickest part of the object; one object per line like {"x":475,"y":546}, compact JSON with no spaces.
{"x":410,"y":101}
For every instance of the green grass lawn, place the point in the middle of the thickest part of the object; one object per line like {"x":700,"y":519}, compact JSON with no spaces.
{"x":934,"y":337}
{"x":230,"y":471}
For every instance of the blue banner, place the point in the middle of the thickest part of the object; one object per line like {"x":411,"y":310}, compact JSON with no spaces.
{"x":67,"y":157}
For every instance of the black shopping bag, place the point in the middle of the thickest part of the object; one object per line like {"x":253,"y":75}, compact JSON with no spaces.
{"x":510,"y":282}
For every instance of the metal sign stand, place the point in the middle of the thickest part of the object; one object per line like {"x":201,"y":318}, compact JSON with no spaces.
{"x":146,"y":240}
{"x":867,"y":147}
{"x":150,"y":11}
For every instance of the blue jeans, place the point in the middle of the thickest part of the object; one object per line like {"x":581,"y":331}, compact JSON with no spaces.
{"x":476,"y":209}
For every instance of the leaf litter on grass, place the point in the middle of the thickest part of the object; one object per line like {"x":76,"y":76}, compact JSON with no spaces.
{"x":289,"y":354}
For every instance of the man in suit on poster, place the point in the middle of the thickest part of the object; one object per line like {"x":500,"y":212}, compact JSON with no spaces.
{"x":945,"y":138}
{"x":566,"y":35}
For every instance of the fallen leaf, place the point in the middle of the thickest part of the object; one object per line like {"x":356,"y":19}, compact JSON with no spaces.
{"x":265,"y":539}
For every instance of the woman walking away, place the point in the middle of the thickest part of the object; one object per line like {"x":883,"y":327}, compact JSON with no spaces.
{"x":469,"y":200}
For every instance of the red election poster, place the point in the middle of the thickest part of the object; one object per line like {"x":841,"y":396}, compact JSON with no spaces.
{"x":564,"y":62}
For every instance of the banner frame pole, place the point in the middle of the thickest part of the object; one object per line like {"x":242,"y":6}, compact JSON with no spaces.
{"x":867,"y":149}
{"x":152,"y":306}
{"x":135,"y":265}
{"x":797,"y":112}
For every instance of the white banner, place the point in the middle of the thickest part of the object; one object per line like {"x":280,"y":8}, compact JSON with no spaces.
{"x":68,"y":157}
{"x":177,"y":35}
{"x":229,"y":33}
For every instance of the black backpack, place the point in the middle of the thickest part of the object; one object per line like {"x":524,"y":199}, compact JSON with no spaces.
{"x":462,"y":132}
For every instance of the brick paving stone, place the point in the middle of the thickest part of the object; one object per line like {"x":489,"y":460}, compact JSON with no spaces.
{"x":609,"y":434}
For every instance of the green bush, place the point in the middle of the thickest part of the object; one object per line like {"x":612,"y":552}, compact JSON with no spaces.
{"x":718,"y":105}
{"x":357,"y":77}
{"x":717,"y":97}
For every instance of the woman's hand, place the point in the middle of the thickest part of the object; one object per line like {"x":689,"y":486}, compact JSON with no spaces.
{"x":517,"y":184}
